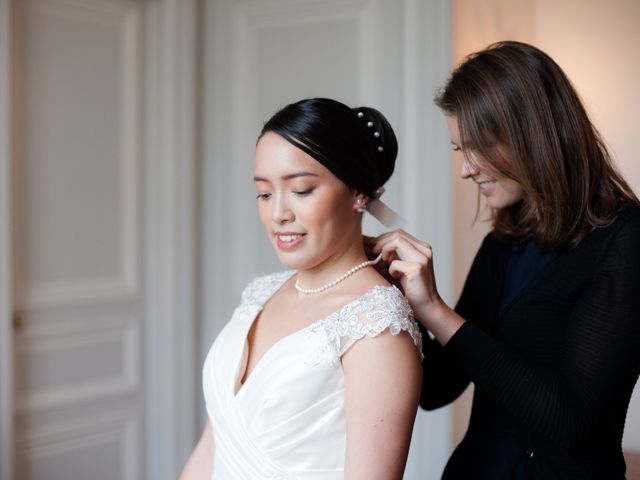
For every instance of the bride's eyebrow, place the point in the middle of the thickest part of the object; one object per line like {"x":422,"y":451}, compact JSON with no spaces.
{"x":288,"y":176}
{"x":299,"y":174}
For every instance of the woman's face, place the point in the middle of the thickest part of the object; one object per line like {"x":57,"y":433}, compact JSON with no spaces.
{"x":499,"y":191}
{"x":307,"y":212}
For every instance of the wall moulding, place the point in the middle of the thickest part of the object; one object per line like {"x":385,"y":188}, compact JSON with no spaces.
{"x":83,"y":434}
{"x":121,"y":367}
{"x":125,"y":18}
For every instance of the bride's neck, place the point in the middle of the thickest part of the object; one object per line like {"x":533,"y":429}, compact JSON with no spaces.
{"x":333,"y":267}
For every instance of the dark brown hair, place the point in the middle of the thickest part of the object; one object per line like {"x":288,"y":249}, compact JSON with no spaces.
{"x":513,"y":95}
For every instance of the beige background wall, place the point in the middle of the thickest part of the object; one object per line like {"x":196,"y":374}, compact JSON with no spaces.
{"x":596,"y":43}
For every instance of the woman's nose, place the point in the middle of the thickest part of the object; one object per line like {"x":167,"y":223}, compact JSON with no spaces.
{"x":468,"y":168}
{"x":281,"y":212}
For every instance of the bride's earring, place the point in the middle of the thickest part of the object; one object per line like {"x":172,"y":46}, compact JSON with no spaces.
{"x":360,"y":205}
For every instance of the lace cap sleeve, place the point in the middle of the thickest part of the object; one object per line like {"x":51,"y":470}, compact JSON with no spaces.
{"x":260,"y":289}
{"x":379,"y":309}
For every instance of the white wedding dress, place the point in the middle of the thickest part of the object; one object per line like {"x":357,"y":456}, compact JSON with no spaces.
{"x":287,"y":421}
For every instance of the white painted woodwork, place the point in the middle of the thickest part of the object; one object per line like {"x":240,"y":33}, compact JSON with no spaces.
{"x":171,"y":136}
{"x":6,"y":294}
{"x":98,"y":146}
{"x":261,"y":55}
{"x":78,"y":231}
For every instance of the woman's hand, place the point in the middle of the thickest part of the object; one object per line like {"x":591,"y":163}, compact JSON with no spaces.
{"x":410,"y":262}
{"x":382,"y":267}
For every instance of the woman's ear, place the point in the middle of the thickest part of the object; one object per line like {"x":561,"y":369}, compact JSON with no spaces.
{"x":359,"y":202}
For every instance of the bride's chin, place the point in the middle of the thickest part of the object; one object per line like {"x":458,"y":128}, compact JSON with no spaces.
{"x":295,"y":262}
{"x":290,"y":261}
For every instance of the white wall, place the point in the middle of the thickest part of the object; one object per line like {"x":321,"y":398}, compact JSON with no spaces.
{"x":598,"y":49}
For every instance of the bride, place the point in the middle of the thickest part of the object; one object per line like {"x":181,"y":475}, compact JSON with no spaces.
{"x":317,"y":374}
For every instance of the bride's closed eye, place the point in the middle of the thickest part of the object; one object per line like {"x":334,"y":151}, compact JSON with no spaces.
{"x":303,"y":193}
{"x":263,"y":196}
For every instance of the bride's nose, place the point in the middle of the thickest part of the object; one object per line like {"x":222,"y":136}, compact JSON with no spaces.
{"x":282,"y":213}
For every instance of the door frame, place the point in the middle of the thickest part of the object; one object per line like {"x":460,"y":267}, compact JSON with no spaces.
{"x":6,"y":291}
{"x":171,"y":120}
{"x":171,"y":165}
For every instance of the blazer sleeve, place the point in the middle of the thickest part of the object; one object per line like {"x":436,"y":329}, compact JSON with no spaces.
{"x":443,"y":380}
{"x":601,"y":359}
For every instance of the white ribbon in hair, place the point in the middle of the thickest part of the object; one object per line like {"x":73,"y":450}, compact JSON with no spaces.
{"x":382,"y":212}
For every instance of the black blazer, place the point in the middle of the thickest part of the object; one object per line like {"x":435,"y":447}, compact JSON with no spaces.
{"x":560,"y":362}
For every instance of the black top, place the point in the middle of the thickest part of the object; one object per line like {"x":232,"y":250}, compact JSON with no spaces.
{"x":554,"y":369}
{"x":525,"y":261}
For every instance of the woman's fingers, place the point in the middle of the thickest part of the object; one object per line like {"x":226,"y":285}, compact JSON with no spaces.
{"x":402,"y":268}
{"x":404,"y":249}
{"x":384,"y":241}
{"x":416,"y":283}
{"x":410,"y":263}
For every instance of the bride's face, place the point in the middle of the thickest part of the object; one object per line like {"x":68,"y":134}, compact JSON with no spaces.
{"x":308,"y":213}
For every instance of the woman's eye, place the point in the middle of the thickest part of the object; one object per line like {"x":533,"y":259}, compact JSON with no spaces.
{"x":304,"y":193}
{"x":456,"y":148}
{"x":263,"y":196}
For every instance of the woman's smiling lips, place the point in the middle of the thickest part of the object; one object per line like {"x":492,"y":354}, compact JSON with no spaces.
{"x":485,"y":186}
{"x":288,"y":240}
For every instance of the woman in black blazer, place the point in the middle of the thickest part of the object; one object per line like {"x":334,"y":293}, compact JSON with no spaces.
{"x":548,"y":324}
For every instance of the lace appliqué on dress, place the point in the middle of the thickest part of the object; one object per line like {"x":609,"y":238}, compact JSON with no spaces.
{"x":379,"y":309}
{"x":262,"y":288}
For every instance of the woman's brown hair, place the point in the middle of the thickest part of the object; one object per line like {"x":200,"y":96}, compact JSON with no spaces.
{"x":518,"y":111}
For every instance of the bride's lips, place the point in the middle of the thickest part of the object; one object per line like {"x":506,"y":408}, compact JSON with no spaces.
{"x":288,"y":240}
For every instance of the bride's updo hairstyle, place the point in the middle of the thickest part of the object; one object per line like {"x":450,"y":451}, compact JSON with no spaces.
{"x":356,"y":144}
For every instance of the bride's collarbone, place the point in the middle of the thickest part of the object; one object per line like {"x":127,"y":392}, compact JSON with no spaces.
{"x":291,"y":306}
{"x":287,"y":310}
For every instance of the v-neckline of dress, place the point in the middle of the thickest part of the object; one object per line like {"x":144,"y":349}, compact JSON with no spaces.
{"x":238,"y":387}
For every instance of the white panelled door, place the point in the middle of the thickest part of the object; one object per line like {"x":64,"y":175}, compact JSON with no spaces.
{"x":97,"y":198}
{"x":78,"y":270}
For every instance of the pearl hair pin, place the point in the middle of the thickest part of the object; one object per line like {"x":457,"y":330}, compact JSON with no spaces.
{"x":376,"y":134}
{"x":335,"y":282}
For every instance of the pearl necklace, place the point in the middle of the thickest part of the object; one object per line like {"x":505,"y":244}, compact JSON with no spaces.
{"x":339,"y":279}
